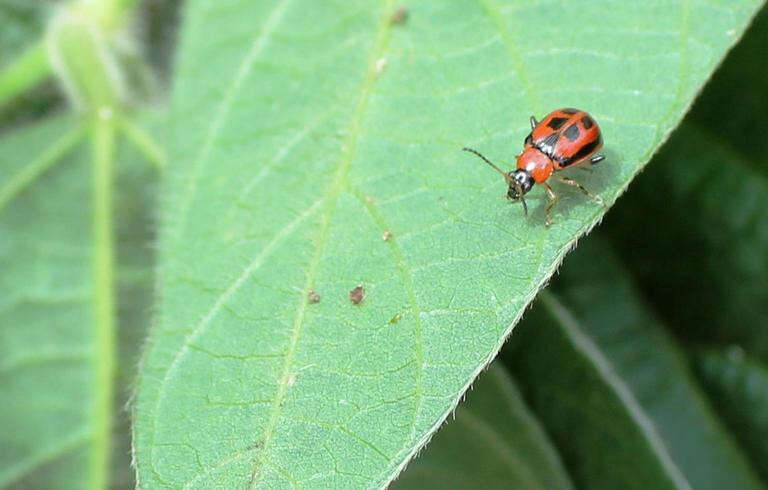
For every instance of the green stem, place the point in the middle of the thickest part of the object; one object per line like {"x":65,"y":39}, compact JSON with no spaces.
{"x":24,"y":72}
{"x":21,"y":180}
{"x":104,"y":303}
{"x":144,"y":142}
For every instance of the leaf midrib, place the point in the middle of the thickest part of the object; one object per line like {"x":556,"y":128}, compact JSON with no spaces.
{"x":338,"y":186}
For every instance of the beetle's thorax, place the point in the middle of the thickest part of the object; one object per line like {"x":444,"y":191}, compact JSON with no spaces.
{"x":536,"y":163}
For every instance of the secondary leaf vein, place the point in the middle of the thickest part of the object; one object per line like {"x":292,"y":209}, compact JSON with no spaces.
{"x":223,"y":110}
{"x":492,"y":10}
{"x":203,"y":324}
{"x":406,"y":277}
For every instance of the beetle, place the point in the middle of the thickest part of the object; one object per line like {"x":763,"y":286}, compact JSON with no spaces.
{"x":564,"y":138}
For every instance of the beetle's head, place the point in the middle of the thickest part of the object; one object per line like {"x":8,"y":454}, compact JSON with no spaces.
{"x":520,"y":182}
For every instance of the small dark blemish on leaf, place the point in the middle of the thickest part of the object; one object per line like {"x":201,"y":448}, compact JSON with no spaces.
{"x":386,"y":236}
{"x":313,"y":297}
{"x":396,"y":318}
{"x":357,"y":295}
{"x":400,"y":16}
{"x":258,"y":445}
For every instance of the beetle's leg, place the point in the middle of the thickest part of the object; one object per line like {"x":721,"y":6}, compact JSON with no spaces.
{"x":522,"y":198}
{"x":534,"y":122}
{"x":571,"y":182}
{"x":552,"y":200}
{"x":596,"y":159}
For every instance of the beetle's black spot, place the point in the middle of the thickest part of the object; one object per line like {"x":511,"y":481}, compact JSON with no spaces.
{"x":583,"y":152}
{"x":569,"y":110}
{"x":572,"y":132}
{"x":587,"y":122}
{"x":557,"y":122}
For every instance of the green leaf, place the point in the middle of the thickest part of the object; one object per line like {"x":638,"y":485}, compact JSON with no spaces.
{"x":46,"y":350}
{"x":22,"y":23}
{"x":60,"y":421}
{"x":723,"y":245}
{"x":494,"y":442}
{"x":738,"y":385}
{"x":614,"y":391}
{"x":301,"y":134}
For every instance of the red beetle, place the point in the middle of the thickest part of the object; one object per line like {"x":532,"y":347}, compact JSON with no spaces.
{"x":565,"y":138}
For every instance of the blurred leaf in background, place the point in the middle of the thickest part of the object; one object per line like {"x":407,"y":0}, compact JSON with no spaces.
{"x":76,"y":202}
{"x":49,"y":352}
{"x":494,"y":442}
{"x":738,"y":385}
{"x":607,"y":380}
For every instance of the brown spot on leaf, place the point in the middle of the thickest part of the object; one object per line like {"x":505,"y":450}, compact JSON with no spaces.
{"x":386,"y":236}
{"x":357,"y":295}
{"x":313,"y":297}
{"x":400,"y":16}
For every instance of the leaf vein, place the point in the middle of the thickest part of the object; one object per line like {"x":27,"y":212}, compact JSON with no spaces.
{"x":337,"y":187}
{"x":492,"y":11}
{"x":206,"y":320}
{"x":223,"y":110}
{"x":39,"y":165}
{"x":406,"y":278}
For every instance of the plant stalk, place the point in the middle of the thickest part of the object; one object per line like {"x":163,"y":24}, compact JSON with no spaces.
{"x":104,"y":295}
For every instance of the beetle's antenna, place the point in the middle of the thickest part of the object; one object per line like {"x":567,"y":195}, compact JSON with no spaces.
{"x":534,"y":122}
{"x":503,"y":173}
{"x":519,"y":190}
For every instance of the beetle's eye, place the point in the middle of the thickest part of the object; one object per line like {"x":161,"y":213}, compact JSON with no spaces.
{"x":529,"y":139}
